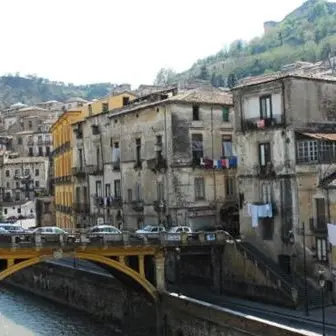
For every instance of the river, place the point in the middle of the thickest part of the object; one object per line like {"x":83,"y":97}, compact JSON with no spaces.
{"x":23,"y":314}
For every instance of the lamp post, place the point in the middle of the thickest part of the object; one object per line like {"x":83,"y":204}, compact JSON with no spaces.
{"x":178,"y":274}
{"x":303,"y":232}
{"x":322,"y":284}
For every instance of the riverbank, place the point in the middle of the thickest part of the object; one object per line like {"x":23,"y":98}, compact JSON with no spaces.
{"x":103,"y":297}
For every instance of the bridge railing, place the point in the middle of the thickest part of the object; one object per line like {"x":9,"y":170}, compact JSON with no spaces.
{"x":82,"y":238}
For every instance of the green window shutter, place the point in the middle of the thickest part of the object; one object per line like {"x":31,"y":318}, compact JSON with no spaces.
{"x":225,"y":113}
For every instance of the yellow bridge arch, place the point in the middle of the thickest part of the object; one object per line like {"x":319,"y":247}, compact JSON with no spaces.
{"x":121,"y":266}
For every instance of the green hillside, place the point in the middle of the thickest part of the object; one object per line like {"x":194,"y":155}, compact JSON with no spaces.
{"x":306,"y":34}
{"x":31,"y":89}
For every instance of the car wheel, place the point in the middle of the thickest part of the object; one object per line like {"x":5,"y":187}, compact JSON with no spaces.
{"x":71,"y":240}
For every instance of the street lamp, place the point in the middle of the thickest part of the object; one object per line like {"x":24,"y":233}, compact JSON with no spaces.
{"x":322,"y":284}
{"x":178,"y":274}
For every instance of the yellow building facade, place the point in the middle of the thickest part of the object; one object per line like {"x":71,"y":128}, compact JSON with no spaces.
{"x":108,"y":103}
{"x":62,"y":142}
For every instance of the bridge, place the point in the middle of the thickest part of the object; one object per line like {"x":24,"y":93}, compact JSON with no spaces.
{"x":141,"y":259}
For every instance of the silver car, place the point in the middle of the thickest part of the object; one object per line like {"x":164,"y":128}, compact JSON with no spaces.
{"x":51,"y":234}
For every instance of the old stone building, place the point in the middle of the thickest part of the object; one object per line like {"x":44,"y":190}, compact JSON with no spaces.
{"x":166,"y":157}
{"x":286,"y":144}
{"x":22,"y":179}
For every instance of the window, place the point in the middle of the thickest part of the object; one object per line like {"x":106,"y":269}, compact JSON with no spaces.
{"x":26,"y":172}
{"x":7,"y":173}
{"x":5,"y":211}
{"x":321,"y":249}
{"x":19,"y":141}
{"x":158,"y":146}
{"x":229,"y":185}
{"x":7,"y":185}
{"x":227,"y":146}
{"x":196,"y":113}
{"x":90,"y":109}
{"x":199,"y":188}
{"x":39,"y":139}
{"x":138,"y":150}
{"x":107,"y":189}
{"x":19,"y":210}
{"x":267,"y":228}
{"x":98,"y":156}
{"x":264,"y":154}
{"x":116,"y":155}
{"x":99,"y":188}
{"x":40,"y":151}
{"x":17,"y":185}
{"x":125,"y":100}
{"x":266,"y":193}
{"x":37,"y":184}
{"x":320,"y":206}
{"x":30,"y":140}
{"x":137,"y":191}
{"x":265,"y":107}
{"x":225,"y":114}
{"x":80,"y":157}
{"x":17,"y":196}
{"x":85,"y":194}
{"x":30,"y":151}
{"x":47,"y":153}
{"x":160,"y":191}
{"x":307,"y":151}
{"x":37,"y":172}
{"x":30,"y":124}
{"x":197,"y":147}
{"x":117,"y":188}
{"x":105,"y":107}
{"x":129,"y":195}
{"x":17,"y":172}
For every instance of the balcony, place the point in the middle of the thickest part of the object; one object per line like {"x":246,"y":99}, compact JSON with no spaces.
{"x":79,"y":172}
{"x":62,"y":179}
{"x":318,"y":226}
{"x":138,"y":205}
{"x":266,"y":171}
{"x":160,"y":206}
{"x":81,"y":207}
{"x":259,"y":124}
{"x":94,"y":170}
{"x":157,"y":165}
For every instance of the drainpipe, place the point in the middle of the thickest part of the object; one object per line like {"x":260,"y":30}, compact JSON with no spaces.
{"x":213,"y":157}
{"x":103,"y":166}
{"x":167,"y":161}
{"x":121,"y":175}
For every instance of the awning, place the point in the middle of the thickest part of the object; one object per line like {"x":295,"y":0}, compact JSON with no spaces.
{"x":321,"y":136}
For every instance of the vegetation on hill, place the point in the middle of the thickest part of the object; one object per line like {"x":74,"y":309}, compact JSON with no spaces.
{"x":306,"y":34}
{"x":31,"y":89}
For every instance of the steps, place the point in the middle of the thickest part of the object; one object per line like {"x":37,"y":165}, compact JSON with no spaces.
{"x":286,"y":282}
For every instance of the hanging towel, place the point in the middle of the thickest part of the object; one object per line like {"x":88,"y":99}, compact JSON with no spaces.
{"x":233,"y":162}
{"x":219,"y":164}
{"x":202,"y":162}
{"x":252,"y":210}
{"x":208,"y":164}
{"x":332,"y":234}
{"x":223,"y":163}
{"x":265,"y":210}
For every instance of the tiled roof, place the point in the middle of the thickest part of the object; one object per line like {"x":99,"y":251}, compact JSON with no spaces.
{"x":321,"y":136}
{"x":280,"y":75}
{"x":32,"y":108}
{"x":204,"y":96}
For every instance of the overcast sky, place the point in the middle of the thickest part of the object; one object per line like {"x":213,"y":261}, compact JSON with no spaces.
{"x":120,"y":41}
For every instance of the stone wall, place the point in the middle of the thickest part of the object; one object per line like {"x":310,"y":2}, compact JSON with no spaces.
{"x":188,"y":317}
{"x":101,"y":296}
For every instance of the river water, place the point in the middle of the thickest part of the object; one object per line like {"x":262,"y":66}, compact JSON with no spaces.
{"x":23,"y":314}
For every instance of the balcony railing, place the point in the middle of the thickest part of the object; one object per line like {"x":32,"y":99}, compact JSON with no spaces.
{"x":255,"y":124}
{"x":81,"y":207}
{"x":160,"y":206}
{"x":79,"y":171}
{"x":107,"y":202}
{"x":94,"y":169}
{"x":138,"y":205}
{"x":318,"y":226}
{"x":266,"y":171}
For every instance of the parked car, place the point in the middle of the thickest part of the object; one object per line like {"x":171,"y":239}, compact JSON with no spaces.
{"x":151,"y":231}
{"x":98,"y":232}
{"x":13,"y":229}
{"x":174,"y":232}
{"x":51,"y":234}
{"x":180,"y":229}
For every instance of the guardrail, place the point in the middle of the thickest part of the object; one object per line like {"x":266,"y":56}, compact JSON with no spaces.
{"x":81,"y":238}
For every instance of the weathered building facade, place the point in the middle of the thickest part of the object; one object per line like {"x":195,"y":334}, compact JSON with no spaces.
{"x":22,"y":179}
{"x":164,"y":158}
{"x":286,"y":143}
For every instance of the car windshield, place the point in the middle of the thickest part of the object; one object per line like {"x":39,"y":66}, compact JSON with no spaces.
{"x":148,"y":228}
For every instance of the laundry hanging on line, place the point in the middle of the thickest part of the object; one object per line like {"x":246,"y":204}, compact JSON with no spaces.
{"x":256,"y":211}
{"x":219,"y":164}
{"x":332,"y":234}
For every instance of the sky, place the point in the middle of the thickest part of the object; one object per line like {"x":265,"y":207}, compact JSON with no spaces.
{"x":123,"y":41}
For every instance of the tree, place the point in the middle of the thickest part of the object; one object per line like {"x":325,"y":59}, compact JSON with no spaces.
{"x":165,"y":76}
{"x":204,"y":73}
{"x":232,"y":81}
